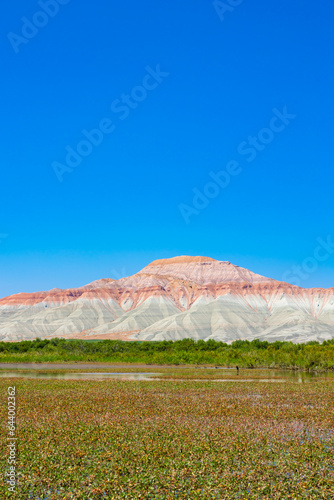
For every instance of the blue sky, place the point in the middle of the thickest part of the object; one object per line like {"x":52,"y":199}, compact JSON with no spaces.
{"x":198,"y":84}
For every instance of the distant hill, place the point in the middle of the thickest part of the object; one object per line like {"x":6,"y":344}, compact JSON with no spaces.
{"x":171,"y":299}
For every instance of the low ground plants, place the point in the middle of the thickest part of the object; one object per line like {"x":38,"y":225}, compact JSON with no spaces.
{"x":169,"y":439}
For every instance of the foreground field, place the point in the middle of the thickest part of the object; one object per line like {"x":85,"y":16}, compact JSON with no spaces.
{"x":167,"y":439}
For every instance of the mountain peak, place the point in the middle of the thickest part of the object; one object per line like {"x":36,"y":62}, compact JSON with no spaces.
{"x":182,"y":259}
{"x":201,"y":270}
{"x":181,"y":297}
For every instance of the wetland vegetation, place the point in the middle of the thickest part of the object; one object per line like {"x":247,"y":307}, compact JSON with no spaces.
{"x":176,"y":437}
{"x":309,"y":356}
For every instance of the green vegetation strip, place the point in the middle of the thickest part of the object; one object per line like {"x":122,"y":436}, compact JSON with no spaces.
{"x":309,"y":356}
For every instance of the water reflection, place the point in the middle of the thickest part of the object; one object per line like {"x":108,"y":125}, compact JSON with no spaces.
{"x":79,"y":376}
{"x":172,"y":375}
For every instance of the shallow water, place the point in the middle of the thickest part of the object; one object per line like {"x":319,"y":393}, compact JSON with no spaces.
{"x":167,"y":374}
{"x":266,"y":380}
{"x":78,"y":376}
{"x":299,"y":378}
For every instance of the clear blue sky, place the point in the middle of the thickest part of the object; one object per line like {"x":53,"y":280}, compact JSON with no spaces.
{"x":120,"y":207}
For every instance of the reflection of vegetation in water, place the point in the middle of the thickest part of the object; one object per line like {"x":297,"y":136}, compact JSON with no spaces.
{"x":74,"y":375}
{"x":128,"y":371}
{"x":243,"y":353}
{"x":165,"y":440}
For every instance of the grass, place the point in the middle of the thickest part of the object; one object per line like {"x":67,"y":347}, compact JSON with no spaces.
{"x":173,"y":439}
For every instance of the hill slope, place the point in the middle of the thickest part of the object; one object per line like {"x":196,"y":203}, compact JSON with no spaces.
{"x":176,"y":298}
